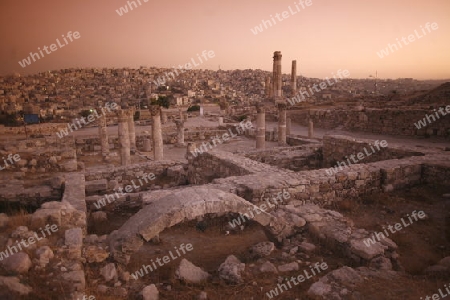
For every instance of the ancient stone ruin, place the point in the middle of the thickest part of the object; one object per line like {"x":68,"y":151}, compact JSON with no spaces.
{"x":289,"y":202}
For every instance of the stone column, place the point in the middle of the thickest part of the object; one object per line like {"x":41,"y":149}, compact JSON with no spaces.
{"x":274,"y":134}
{"x":310,"y":129}
{"x":103,"y":133}
{"x":124,"y":137}
{"x":201,"y":111}
{"x":132,"y":130}
{"x":147,"y":145}
{"x":185,"y":116}
{"x":260,"y":127}
{"x":294,"y":78}
{"x":158,"y":149}
{"x":277,"y":76}
{"x":288,"y":126}
{"x":220,"y":121}
{"x":180,"y":129}
{"x":163,"y":117}
{"x":281,"y":124}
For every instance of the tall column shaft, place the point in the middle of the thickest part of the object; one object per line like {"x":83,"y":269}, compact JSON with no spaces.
{"x":277,"y":76}
{"x":294,"y":77}
{"x":260,"y":128}
{"x":281,"y":124}
{"x":310,"y":129}
{"x":103,"y":133}
{"x":124,"y":138}
{"x":180,"y":130}
{"x":132,"y":130}
{"x":288,"y":126}
{"x":156,"y":133}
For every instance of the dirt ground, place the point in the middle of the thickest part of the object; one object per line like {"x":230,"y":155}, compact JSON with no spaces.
{"x":421,"y":244}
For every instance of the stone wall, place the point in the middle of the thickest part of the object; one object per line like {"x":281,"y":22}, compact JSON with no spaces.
{"x":218,"y":164}
{"x":382,"y":121}
{"x":437,"y":173}
{"x":339,"y":148}
{"x":43,"y":155}
{"x":318,"y":187}
{"x":34,"y":129}
{"x":92,"y":143}
{"x":54,"y":256}
{"x":102,"y":180}
{"x":15,"y":190}
{"x":306,"y":157}
{"x":394,"y":169}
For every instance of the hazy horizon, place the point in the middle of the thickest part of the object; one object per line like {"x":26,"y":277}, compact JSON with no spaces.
{"x":323,"y":37}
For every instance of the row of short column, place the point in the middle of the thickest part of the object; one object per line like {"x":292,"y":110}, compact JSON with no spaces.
{"x":283,"y":130}
{"x":127,"y":135}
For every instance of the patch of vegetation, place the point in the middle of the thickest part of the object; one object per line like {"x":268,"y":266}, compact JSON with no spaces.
{"x":194,"y":108}
{"x":163,"y":101}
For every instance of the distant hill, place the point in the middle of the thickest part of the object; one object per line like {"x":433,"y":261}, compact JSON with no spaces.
{"x":437,"y":96}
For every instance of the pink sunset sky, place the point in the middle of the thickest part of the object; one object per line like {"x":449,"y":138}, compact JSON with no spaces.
{"x":324,"y":37}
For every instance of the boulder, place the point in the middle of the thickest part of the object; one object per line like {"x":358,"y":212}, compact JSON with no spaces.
{"x":13,"y":286}
{"x":293,"y":266}
{"x":319,"y":289}
{"x":445,"y":262}
{"x":268,"y":267}
{"x":109,"y":272}
{"x":44,"y":254}
{"x":381,"y":263}
{"x":360,"y":248}
{"x":190,"y":273}
{"x":150,"y":292}
{"x":230,"y":270}
{"x":298,"y":221}
{"x":307,"y":247}
{"x":18,"y":263}
{"x":262,"y":249}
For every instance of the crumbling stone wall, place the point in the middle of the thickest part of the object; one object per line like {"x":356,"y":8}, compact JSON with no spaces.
{"x":382,"y":121}
{"x":35,"y":129}
{"x":298,"y":158}
{"x":218,"y":164}
{"x":436,"y":173}
{"x":92,"y":143}
{"x":103,"y":180}
{"x":337,"y":147}
{"x":43,"y":155}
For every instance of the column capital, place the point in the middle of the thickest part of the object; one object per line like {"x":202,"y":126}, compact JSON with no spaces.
{"x":260,"y":108}
{"x":122,"y":115}
{"x":155,"y":110}
{"x":179,"y":123}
